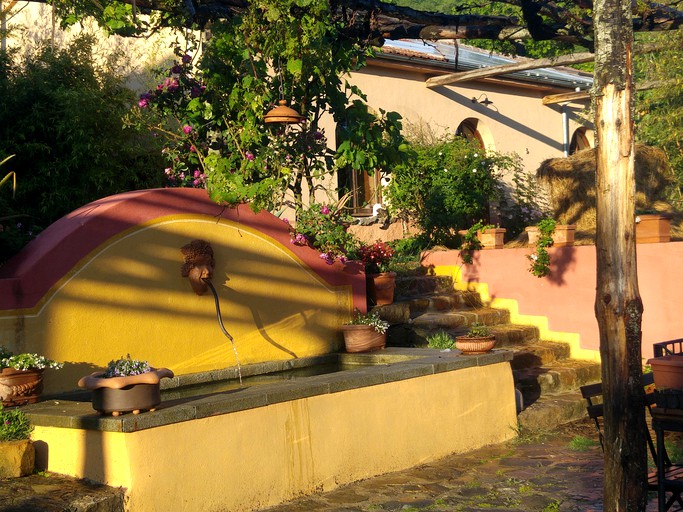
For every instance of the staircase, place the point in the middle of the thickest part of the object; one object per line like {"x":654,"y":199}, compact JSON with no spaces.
{"x":543,"y":372}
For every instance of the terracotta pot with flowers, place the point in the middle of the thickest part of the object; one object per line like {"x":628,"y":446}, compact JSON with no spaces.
{"x":127,"y":385}
{"x":380,"y":281}
{"x":21,"y":376}
{"x":17,"y":453}
{"x":365,"y":332}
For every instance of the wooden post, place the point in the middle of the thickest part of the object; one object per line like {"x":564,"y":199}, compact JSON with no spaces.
{"x":618,"y":305}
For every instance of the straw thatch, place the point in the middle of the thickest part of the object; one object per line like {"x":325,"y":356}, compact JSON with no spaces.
{"x":570,"y":185}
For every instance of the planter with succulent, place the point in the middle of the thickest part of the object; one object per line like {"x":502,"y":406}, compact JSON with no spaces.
{"x":21,"y":376}
{"x":127,"y":385}
{"x":365,"y":332}
{"x":381,"y":282}
{"x":17,"y":453}
{"x":478,"y":340}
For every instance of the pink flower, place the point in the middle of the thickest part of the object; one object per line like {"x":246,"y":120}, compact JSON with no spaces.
{"x":187,"y":129}
{"x":187,"y":59}
{"x":197,"y":174}
{"x":325,"y":210}
{"x":249,"y":156}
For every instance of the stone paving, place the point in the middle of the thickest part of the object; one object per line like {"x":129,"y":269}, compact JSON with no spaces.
{"x":538,"y":474}
{"x":542,"y":474}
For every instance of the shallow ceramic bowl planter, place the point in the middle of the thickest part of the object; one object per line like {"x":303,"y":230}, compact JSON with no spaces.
{"x":133,"y":393}
{"x":380,"y":288}
{"x":363,"y":338}
{"x":653,"y":228}
{"x":20,"y":387}
{"x":563,"y":236}
{"x":17,"y":458}
{"x":667,"y":371}
{"x":472,"y":345}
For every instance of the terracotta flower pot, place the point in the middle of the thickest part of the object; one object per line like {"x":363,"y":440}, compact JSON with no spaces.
{"x":19,"y":387}
{"x":653,"y":228}
{"x":562,"y":237}
{"x":380,"y":288}
{"x":117,"y":395}
{"x":363,"y":338}
{"x":667,"y":371}
{"x":475,"y":345}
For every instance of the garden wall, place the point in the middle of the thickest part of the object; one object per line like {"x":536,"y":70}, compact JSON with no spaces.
{"x":562,"y":304}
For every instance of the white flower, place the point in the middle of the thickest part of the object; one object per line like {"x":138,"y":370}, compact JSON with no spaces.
{"x":440,"y":153}
{"x":445,"y":170}
{"x":474,"y":170}
{"x":476,"y":155}
{"x":534,"y":257}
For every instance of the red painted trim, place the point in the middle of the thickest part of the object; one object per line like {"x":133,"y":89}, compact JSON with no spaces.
{"x":27,"y":277}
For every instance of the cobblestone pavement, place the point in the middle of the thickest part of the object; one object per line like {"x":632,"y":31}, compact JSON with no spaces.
{"x":539,"y":474}
{"x":542,"y":474}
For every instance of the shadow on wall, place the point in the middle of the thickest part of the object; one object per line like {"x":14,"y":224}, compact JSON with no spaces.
{"x":106,"y":281}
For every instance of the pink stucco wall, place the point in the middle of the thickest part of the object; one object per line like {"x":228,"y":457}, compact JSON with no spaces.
{"x":567,"y":296}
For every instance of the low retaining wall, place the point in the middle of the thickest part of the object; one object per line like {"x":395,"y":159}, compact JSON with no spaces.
{"x":264,"y":445}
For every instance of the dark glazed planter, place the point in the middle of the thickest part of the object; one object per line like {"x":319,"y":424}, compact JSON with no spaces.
{"x":117,"y":395}
{"x":20,"y":387}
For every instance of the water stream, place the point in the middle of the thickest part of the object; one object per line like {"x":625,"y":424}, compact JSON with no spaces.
{"x":225,"y":332}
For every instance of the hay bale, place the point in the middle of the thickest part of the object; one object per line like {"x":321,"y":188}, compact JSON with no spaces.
{"x":570,"y":185}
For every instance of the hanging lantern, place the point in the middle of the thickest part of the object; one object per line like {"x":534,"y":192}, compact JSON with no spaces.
{"x":283,"y":114}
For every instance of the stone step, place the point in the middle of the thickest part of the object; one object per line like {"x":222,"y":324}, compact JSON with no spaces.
{"x":460,"y":320}
{"x":419,"y":285}
{"x":549,"y":411}
{"x":538,"y":354}
{"x":441,"y":302}
{"x":559,"y":377}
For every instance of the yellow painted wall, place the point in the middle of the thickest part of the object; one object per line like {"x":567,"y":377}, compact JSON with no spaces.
{"x":264,"y":456}
{"x":128,"y":297}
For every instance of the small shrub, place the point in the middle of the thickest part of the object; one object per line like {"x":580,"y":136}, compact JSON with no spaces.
{"x":441,"y":340}
{"x":478,"y":330}
{"x":14,"y":425}
{"x":125,"y":367}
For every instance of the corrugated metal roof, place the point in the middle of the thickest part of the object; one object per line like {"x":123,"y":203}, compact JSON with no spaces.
{"x":443,"y":54}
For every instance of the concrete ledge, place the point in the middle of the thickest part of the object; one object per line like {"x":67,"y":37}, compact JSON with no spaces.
{"x":389,"y":365}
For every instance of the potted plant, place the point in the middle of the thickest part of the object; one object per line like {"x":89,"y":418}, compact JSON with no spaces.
{"x":127,"y":385}
{"x":480,"y":236}
{"x":478,"y":340}
{"x":17,"y":453}
{"x":21,"y":376}
{"x":561,"y":234}
{"x":365,"y":332}
{"x":381,"y":282}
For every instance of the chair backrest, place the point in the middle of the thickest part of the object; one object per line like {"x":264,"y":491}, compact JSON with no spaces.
{"x":665,"y":348}
{"x":592,"y":393}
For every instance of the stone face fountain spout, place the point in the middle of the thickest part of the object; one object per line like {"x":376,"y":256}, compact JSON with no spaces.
{"x":199,"y":264}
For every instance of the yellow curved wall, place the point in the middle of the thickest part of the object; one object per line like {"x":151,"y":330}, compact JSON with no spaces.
{"x":128,"y":297}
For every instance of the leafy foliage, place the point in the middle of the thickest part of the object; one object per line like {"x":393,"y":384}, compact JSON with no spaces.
{"x":441,"y":340}
{"x":540,"y":260}
{"x":243,"y":71}
{"x":14,"y":425}
{"x":478,"y":330}
{"x":26,"y":361}
{"x":446,"y":185}
{"x":61,"y":115}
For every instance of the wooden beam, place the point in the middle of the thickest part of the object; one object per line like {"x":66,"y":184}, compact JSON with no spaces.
{"x":583,"y":95}
{"x":563,"y":60}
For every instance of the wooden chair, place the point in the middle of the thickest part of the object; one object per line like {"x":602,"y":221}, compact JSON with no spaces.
{"x":592,"y":393}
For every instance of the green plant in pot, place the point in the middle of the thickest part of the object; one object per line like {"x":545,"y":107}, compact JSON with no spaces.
{"x":540,"y":259}
{"x":21,"y":376}
{"x":127,"y":385}
{"x":478,"y":340}
{"x":17,"y":453}
{"x":365,"y":332}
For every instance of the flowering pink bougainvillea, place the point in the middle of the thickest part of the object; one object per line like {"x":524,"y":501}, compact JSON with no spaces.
{"x":376,"y":257}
